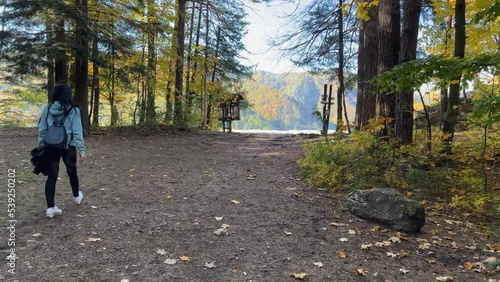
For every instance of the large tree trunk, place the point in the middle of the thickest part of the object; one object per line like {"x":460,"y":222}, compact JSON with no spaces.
{"x":361,"y":94}
{"x":96,"y":88}
{"x":50,"y":59}
{"x":454,"y":95}
{"x":189,"y":56}
{"x":340,"y":90}
{"x":404,"y":101}
{"x":82,"y":65}
{"x":111,"y":82}
{"x":151,"y":73}
{"x":366,"y":108}
{"x":179,"y":63}
{"x":61,"y":58}
{"x":444,"y":91}
{"x":388,"y":44}
{"x":204,"y":102}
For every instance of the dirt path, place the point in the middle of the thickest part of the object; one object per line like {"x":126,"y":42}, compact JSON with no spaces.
{"x":148,"y":199}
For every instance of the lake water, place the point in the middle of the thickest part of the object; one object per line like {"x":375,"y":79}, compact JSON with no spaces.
{"x":260,"y":131}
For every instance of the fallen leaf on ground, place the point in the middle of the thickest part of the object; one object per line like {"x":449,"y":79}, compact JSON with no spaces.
{"x":288,"y":233}
{"x":395,"y":240}
{"x":361,"y":271}
{"x":366,"y":246}
{"x":424,"y":246}
{"x":185,"y":258}
{"x":430,"y":260}
{"x":392,"y":255}
{"x":132,"y":169}
{"x":219,"y":218}
{"x":337,"y":224}
{"x":403,"y":253}
{"x":444,"y":278}
{"x":318,"y":264}
{"x":300,"y":276}
{"x":235,"y":202}
{"x":170,"y":261}
{"x":383,"y":244}
{"x":342,"y":255}
{"x":352,"y":232}
{"x":376,"y":228}
{"x":222,"y":230}
{"x":495,"y":247}
{"x":161,"y":252}
{"x":93,"y":239}
{"x":36,"y":235}
{"x":124,"y":280}
{"x":343,"y":240}
{"x":404,"y":271}
{"x":169,"y":197}
{"x":210,"y":264}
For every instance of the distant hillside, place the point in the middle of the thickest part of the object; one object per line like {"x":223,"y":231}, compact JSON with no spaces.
{"x":286,"y":101}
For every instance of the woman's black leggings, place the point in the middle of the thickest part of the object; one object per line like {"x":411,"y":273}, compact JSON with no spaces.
{"x":69,"y":158}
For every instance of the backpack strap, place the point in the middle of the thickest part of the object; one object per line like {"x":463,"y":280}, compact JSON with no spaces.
{"x":66,"y":113}
{"x":47,"y":116}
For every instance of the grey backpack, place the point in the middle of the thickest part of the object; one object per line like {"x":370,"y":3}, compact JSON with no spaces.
{"x":56,"y":135}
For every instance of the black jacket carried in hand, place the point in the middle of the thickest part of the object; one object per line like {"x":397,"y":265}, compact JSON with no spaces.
{"x":40,"y":161}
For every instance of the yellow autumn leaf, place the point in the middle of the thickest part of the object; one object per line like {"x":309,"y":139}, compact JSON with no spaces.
{"x":482,"y":4}
{"x":132,"y":170}
{"x":430,"y":260}
{"x":342,"y":255}
{"x":361,"y":271}
{"x":235,"y":202}
{"x":169,"y":197}
{"x":299,"y":276}
{"x":185,"y":258}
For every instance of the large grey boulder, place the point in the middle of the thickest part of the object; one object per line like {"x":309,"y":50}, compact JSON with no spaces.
{"x":388,"y":207}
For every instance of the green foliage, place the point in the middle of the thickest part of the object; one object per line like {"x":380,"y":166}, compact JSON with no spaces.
{"x":434,"y":69}
{"x":362,"y":162}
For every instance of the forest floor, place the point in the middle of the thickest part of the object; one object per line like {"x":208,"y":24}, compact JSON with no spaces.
{"x":153,"y":204}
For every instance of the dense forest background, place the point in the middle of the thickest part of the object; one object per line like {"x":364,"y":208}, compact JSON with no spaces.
{"x":425,"y":73}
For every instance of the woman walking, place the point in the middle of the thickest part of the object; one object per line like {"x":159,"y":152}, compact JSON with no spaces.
{"x":61,"y":111}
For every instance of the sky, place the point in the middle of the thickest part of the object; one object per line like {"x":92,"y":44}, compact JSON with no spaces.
{"x":266,"y":21}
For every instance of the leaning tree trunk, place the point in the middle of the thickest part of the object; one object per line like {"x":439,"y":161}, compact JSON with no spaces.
{"x":82,"y":65}
{"x":454,"y":95}
{"x":388,"y":44}
{"x":404,"y":101}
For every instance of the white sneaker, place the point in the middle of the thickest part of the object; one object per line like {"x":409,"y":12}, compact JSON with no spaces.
{"x":78,"y":200}
{"x":53,"y":211}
